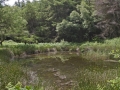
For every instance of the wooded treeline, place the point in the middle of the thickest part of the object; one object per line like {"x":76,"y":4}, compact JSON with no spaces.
{"x":56,"y":20}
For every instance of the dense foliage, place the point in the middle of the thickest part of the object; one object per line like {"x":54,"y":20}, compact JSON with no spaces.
{"x":56,"y":20}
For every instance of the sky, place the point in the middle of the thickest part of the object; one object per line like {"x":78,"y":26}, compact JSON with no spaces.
{"x":11,"y":2}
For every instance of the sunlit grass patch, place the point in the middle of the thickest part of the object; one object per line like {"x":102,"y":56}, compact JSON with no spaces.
{"x":95,"y":55}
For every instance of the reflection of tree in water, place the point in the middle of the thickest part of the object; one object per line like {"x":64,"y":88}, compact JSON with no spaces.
{"x":31,"y":78}
{"x":66,"y":70}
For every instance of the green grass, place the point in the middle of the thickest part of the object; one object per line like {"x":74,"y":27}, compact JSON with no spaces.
{"x":100,"y":51}
{"x":20,"y":48}
{"x":88,"y":80}
{"x":10,"y":72}
{"x":91,"y":50}
{"x":107,"y":45}
{"x":14,"y":72}
{"x":5,"y":54}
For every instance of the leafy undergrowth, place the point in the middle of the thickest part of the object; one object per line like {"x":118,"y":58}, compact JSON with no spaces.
{"x":113,"y":84}
{"x":18,"y":86}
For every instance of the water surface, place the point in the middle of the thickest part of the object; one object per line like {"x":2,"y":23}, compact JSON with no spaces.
{"x":65,"y":71}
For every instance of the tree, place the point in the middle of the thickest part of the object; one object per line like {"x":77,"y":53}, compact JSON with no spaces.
{"x":109,"y":12}
{"x":2,"y":2}
{"x":11,"y":22}
{"x":81,"y":23}
{"x":57,"y":11}
{"x":29,"y":13}
{"x":71,"y":30}
{"x":86,"y":9}
{"x":42,"y":17}
{"x":35,"y":14}
{"x":20,"y":3}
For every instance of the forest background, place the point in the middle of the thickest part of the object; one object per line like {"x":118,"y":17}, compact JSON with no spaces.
{"x":55,"y":20}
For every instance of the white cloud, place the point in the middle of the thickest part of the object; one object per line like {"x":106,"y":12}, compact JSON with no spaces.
{"x":10,"y":2}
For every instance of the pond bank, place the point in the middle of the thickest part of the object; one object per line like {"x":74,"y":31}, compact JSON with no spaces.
{"x":11,"y":53}
{"x":89,"y":50}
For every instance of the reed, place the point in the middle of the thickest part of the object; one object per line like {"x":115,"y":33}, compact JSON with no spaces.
{"x":90,"y":79}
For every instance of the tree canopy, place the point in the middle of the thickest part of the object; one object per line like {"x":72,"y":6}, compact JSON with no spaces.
{"x":54,"y":20}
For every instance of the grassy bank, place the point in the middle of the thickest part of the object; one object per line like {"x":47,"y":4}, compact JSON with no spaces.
{"x":89,"y":50}
{"x":22,"y":50}
{"x":100,"y":51}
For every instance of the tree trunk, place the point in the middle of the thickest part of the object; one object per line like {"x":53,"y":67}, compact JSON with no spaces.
{"x":1,"y":43}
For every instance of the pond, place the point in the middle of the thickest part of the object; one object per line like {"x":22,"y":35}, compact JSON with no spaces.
{"x":68,"y":71}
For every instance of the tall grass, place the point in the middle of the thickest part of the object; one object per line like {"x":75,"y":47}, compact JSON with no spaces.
{"x":97,"y":50}
{"x":5,"y":54}
{"x":20,"y":48}
{"x":105,"y":46}
{"x":95,"y":55}
{"x":92,"y":50}
{"x":89,"y":79}
{"x":10,"y":72}
{"x":14,"y":72}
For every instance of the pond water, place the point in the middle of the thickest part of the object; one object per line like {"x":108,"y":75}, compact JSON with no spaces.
{"x":68,"y":71}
